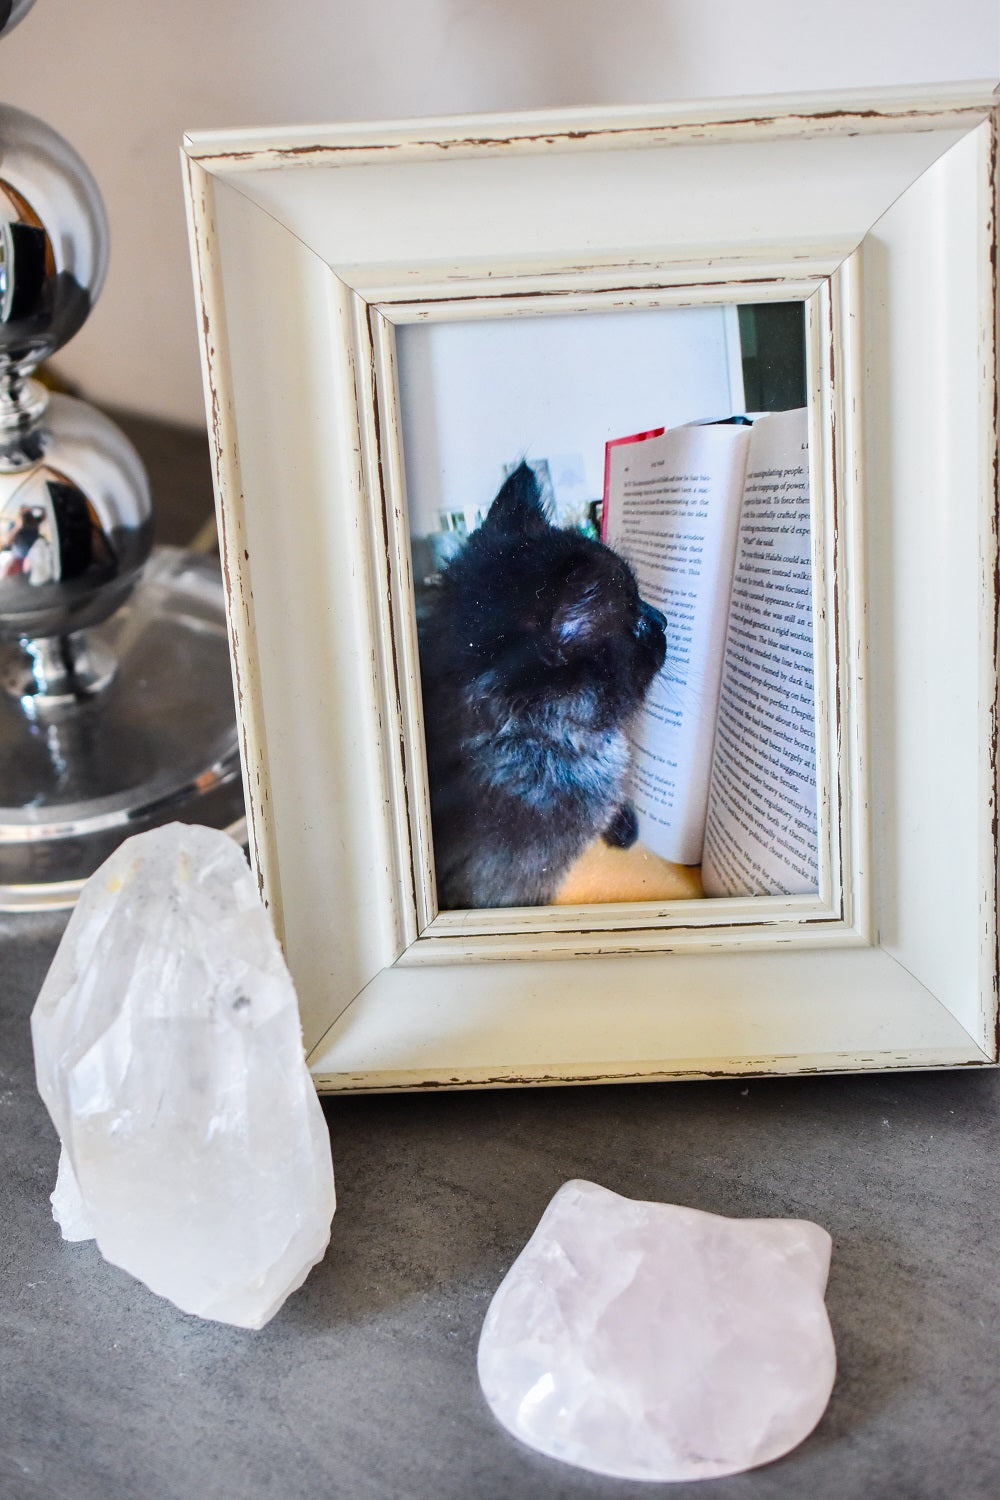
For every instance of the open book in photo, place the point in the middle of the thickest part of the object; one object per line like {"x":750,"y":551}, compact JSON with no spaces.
{"x":715,"y":520}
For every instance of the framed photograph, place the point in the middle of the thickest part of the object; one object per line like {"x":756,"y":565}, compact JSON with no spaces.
{"x":608,"y":511}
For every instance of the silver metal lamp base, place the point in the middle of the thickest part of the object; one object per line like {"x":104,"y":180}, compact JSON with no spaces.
{"x":116,"y":729}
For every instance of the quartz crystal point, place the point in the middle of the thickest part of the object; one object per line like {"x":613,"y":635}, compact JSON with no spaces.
{"x":168,"y":1051}
{"x":647,"y":1341}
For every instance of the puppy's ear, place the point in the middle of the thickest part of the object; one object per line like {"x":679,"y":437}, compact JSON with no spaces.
{"x":588,"y":611}
{"x":517,"y":512}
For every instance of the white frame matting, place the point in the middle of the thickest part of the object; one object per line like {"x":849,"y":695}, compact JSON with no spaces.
{"x":310,"y":246}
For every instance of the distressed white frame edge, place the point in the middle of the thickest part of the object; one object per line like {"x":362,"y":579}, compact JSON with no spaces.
{"x":226,"y":480}
{"x":943,"y":1045}
{"x":821,"y":113}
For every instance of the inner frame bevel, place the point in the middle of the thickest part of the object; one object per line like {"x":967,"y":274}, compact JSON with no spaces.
{"x":741,"y":918}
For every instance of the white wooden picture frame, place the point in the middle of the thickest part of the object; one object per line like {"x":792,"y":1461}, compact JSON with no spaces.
{"x":310,"y":246}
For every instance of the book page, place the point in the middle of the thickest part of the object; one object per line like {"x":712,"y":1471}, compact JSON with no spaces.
{"x":760,"y":836}
{"x":672,"y":509}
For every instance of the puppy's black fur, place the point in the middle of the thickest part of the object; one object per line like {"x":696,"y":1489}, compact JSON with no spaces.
{"x":534,"y":656}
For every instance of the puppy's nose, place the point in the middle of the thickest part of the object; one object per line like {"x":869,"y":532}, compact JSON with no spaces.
{"x":652,"y":615}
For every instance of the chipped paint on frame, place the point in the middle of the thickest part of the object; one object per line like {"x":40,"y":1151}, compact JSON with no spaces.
{"x":383,"y":296}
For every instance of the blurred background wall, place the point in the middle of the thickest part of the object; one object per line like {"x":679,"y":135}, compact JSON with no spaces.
{"x":122,"y":80}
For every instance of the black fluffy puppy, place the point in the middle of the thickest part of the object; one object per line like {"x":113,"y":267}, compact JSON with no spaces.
{"x":535,"y":655}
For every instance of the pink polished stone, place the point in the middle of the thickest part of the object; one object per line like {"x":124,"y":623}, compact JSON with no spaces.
{"x":647,"y":1341}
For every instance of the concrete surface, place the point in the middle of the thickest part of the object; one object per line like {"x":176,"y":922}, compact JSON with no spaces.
{"x":364,"y":1385}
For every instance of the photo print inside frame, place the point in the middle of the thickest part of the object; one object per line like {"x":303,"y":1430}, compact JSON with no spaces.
{"x":612,"y":548}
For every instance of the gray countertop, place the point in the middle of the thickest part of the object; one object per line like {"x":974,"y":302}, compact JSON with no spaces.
{"x":364,"y":1385}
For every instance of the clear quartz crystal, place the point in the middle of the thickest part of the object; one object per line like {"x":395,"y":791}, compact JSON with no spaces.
{"x":68,"y":1207}
{"x":168,"y":1051}
{"x":648,"y":1341}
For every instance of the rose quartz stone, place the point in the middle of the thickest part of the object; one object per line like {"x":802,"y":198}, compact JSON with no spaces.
{"x":648,"y":1341}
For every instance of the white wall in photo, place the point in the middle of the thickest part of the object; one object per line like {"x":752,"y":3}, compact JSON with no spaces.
{"x":477,"y":397}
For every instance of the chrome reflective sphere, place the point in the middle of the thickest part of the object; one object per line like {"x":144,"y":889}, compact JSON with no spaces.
{"x":12,"y":11}
{"x":53,"y":241}
{"x":75,"y":522}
